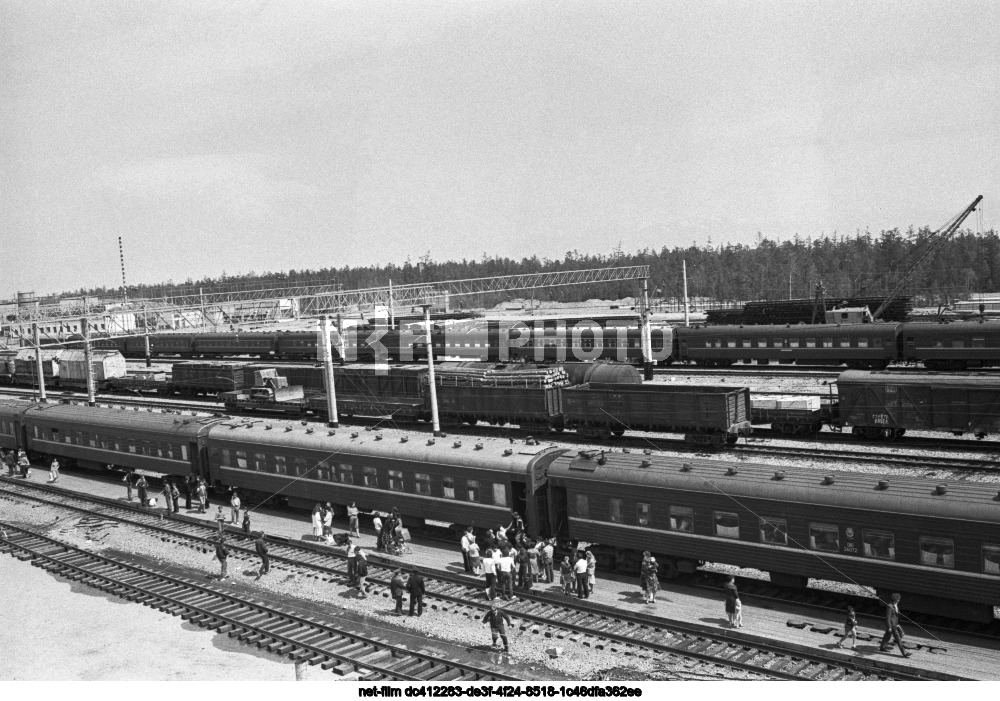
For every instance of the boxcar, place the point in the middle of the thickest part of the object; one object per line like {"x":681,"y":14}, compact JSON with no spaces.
{"x":106,"y":366}
{"x":712,"y":415}
{"x":26,"y":367}
{"x":499,"y":403}
{"x":860,"y":346}
{"x":886,"y":404}
{"x":939,"y":545}
{"x":211,"y":378}
{"x":952,"y":346}
{"x":465,"y":483}
{"x":94,"y":436}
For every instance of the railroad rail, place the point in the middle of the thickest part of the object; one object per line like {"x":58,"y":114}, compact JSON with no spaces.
{"x":279,"y":631}
{"x":591,"y":625}
{"x":962,"y":468}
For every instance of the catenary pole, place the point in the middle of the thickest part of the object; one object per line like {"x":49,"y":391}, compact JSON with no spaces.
{"x":88,"y":359}
{"x":331,"y":390}
{"x":38,"y":363}
{"x":430,"y":371}
{"x":647,"y":340}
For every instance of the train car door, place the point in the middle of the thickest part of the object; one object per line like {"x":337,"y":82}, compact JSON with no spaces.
{"x":558,"y":522}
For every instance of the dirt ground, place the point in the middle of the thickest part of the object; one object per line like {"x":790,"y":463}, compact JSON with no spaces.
{"x":68,"y":632}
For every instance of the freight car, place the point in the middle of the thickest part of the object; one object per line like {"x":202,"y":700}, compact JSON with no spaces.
{"x":937,"y":543}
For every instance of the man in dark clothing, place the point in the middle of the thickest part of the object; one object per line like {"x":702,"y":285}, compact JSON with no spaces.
{"x":141,"y":485}
{"x":892,"y":627}
{"x":175,"y":497}
{"x":498,"y":620}
{"x":397,"y":586}
{"x":192,"y":487}
{"x":732,"y":595}
{"x":261,"y":547}
{"x":222,"y":555}
{"x":415,"y":586}
{"x":129,"y":480}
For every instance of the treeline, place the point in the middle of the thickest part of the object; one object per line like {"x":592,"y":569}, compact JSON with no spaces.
{"x":863,"y":264}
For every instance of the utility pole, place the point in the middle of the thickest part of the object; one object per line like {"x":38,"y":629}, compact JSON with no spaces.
{"x":687,"y":319}
{"x":38,"y":363}
{"x":145,"y":327}
{"x":430,"y":371}
{"x":88,"y":358}
{"x":121,"y":257}
{"x":392,"y":318}
{"x":331,"y":390}
{"x":647,"y":340}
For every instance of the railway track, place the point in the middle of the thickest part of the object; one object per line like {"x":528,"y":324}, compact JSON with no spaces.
{"x":960,"y":468}
{"x":700,"y":650}
{"x":279,"y":631}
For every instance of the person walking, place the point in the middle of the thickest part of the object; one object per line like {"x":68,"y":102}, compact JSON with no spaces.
{"x":566,"y":576}
{"x":490,"y":574}
{"x":54,"y":471}
{"x":353,"y":528}
{"x":246,"y":521}
{"x":498,"y":620}
{"x":397,"y":587}
{"x":167,"y":501}
{"x":582,"y":579}
{"x":505,"y":570}
{"x":23,"y":464}
{"x":892,"y":627}
{"x":649,"y":577}
{"x":732,"y":594}
{"x":317,"y":523}
{"x":141,"y":484}
{"x":362,"y":570}
{"x":850,"y":629}
{"x":467,"y":537}
{"x":222,"y":555}
{"x":234,"y":503}
{"x":10,"y":459}
{"x":220,"y":518}
{"x":261,"y":547}
{"x":415,"y":587}
{"x":548,"y":560}
{"x":591,"y":572}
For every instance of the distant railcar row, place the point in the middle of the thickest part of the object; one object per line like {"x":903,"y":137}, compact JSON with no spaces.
{"x":938,"y":543}
{"x":938,"y":346}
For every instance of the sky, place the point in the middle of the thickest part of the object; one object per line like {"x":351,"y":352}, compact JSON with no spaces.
{"x":249,"y":136}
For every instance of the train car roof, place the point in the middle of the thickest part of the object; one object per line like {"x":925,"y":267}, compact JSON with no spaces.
{"x":127,"y":418}
{"x":738,"y":480}
{"x":778,"y":329}
{"x":977,"y":380}
{"x":15,"y":407}
{"x":383,"y":444}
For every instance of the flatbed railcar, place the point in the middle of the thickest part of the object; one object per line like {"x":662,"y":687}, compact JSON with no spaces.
{"x":938,"y":543}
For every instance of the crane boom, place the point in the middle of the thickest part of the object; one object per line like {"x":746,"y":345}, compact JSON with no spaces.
{"x":933,"y":242}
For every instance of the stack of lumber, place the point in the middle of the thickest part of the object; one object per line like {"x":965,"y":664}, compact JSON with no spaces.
{"x":503,"y":376}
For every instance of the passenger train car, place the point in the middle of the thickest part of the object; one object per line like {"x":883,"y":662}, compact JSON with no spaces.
{"x":938,"y":543}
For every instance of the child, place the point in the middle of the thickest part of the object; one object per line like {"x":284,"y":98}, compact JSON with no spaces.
{"x":850,"y":629}
{"x":738,"y":617}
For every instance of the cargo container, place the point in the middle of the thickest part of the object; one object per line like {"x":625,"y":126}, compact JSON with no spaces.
{"x":105,"y":366}
{"x":212,"y":378}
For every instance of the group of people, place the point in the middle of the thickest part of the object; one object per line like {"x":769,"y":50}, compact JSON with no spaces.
{"x":579,"y":575}
{"x":414,"y":586}
{"x":18,"y":464}
{"x":222,"y":553}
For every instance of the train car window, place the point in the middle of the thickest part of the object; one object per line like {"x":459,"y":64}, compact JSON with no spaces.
{"x":241,"y":459}
{"x":991,"y":559}
{"x":793,"y":343}
{"x":862,"y":342}
{"x":582,"y":506}
{"x":615,"y":510}
{"x":78,"y":438}
{"x":938,"y":343}
{"x":281,"y":464}
{"x":845,"y":343}
{"x":779,"y":343}
{"x":682,"y":519}
{"x":958,"y":343}
{"x":226,"y":458}
{"x":423,"y":482}
{"x":369,"y":477}
{"x":774,"y":531}
{"x":879,"y":544}
{"x":260,"y":462}
{"x":396,"y":480}
{"x":642,"y":514}
{"x":731,"y":343}
{"x":708,"y":343}
{"x":937,"y":552}
{"x":345,"y":473}
{"x":762,"y":343}
{"x":828,"y":343}
{"x":448,"y":487}
{"x":300,"y":467}
{"x":878,"y":342}
{"x":746,"y":343}
{"x":979,"y":343}
{"x":810,"y":343}
{"x":824,"y":536}
{"x":131,"y":447}
{"x":727,"y":524}
{"x":184,"y":452}
{"x":472,"y":487}
{"x":53,"y":434}
{"x":499,"y":494}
